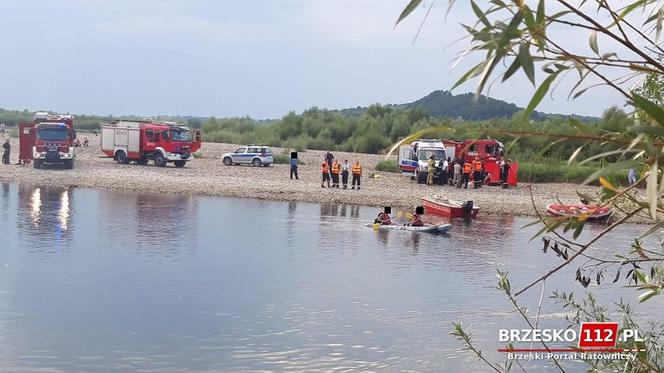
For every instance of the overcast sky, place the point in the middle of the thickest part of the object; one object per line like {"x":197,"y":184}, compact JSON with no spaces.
{"x":229,"y":58}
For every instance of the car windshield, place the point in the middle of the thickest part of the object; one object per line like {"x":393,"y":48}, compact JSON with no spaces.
{"x":180,"y":136}
{"x":52,"y":134}
{"x":266,"y":151}
{"x":438,"y":154}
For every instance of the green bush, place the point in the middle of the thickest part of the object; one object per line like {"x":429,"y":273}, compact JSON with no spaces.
{"x":284,"y":159}
{"x":371,"y":142}
{"x":387,"y":166}
{"x":198,"y":154}
{"x":554,"y":173}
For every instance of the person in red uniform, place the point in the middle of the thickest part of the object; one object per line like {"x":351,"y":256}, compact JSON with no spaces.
{"x":384,"y":217}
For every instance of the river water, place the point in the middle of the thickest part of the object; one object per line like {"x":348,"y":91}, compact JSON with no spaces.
{"x":96,"y":280}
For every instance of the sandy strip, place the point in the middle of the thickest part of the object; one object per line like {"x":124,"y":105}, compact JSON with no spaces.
{"x":209,"y":176}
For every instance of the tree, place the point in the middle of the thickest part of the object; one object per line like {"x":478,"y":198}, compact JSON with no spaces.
{"x":623,"y":54}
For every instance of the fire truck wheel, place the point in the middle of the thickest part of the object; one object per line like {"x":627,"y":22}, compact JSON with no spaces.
{"x":179,"y":163}
{"x":159,"y":160}
{"x":36,"y":164}
{"x":121,"y":157}
{"x":257,"y":162}
{"x":228,"y":161}
{"x":69,"y":164}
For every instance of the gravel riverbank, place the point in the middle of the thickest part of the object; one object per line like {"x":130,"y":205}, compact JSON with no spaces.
{"x":209,"y":176}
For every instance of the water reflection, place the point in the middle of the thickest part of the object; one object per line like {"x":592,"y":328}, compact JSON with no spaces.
{"x":180,"y":283}
{"x":45,"y":212}
{"x":150,"y":223}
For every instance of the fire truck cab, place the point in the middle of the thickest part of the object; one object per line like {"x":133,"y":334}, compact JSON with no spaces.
{"x":414,"y":159}
{"x":49,"y":138}
{"x":141,"y":141}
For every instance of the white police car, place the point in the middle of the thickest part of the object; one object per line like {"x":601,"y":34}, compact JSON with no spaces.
{"x":256,"y":155}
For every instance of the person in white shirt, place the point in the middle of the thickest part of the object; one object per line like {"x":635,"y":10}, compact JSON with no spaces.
{"x":457,"y":174}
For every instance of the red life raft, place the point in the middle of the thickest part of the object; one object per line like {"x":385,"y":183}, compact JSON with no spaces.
{"x":592,"y":212}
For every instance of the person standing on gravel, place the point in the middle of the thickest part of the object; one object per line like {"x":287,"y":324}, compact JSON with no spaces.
{"x":336,"y":168}
{"x":431,"y":167}
{"x":329,"y":158}
{"x":357,"y":175}
{"x":325,"y":172}
{"x":457,"y":174}
{"x":345,"y":168}
{"x":467,"y":169}
{"x":5,"y":156}
{"x":506,"y":173}
{"x":293,"y":168}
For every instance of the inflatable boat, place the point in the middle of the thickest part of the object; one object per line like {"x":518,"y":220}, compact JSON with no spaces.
{"x":593,"y":212}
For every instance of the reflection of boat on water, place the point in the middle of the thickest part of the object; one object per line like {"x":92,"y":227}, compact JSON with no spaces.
{"x":427,"y":228}
{"x":439,"y":205}
{"x":590,"y":212}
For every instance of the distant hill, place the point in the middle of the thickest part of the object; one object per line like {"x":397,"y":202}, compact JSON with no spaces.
{"x":464,"y":106}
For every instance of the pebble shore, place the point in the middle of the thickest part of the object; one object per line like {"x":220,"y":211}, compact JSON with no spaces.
{"x":209,"y":176}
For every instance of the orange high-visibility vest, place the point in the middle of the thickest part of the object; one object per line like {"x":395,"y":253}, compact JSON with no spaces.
{"x":467,"y":168}
{"x":325,"y":168}
{"x":335,"y":168}
{"x":477,"y":165}
{"x":357,"y":169}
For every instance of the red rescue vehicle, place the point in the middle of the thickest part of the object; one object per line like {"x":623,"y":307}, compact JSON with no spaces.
{"x":49,"y":139}
{"x":142,"y":141}
{"x":491,"y":152}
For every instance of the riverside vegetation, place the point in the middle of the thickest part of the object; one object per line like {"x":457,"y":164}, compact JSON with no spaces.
{"x":373,"y":129}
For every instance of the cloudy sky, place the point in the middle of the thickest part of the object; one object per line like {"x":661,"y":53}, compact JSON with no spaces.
{"x":228,"y":58}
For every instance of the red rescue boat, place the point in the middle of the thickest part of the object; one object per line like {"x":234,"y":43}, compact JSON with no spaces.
{"x":593,"y":212}
{"x":442,"y":206}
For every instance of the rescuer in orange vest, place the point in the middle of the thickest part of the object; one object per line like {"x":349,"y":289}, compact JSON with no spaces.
{"x":467,"y":169}
{"x":357,"y":175}
{"x":325,"y":170}
{"x":477,"y":173}
{"x":336,"y":168}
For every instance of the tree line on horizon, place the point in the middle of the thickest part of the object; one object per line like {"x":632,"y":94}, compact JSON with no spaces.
{"x":374,"y":130}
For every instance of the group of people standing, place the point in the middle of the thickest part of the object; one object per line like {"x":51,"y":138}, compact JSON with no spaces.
{"x":331,"y":169}
{"x":461,"y":172}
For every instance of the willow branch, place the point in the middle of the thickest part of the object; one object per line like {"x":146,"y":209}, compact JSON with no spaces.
{"x":627,"y":43}
{"x":578,"y":253}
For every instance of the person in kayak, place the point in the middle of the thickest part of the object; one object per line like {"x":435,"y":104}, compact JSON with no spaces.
{"x":416,"y":218}
{"x":384,"y":217}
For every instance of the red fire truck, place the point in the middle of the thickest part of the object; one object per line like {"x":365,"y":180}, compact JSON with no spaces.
{"x":141,"y":141}
{"x":49,"y":139}
{"x":490,"y":152}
